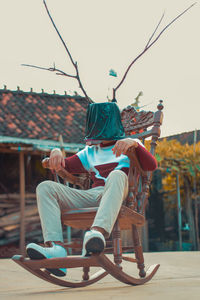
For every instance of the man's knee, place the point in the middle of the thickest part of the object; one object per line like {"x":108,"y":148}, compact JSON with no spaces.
{"x":43,"y":187}
{"x":118,"y":175}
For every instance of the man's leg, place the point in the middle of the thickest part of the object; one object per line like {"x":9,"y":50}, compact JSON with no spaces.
{"x":52,"y":197}
{"x":115,"y":192}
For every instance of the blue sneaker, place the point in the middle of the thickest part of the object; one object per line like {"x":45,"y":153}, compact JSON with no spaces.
{"x":35,"y":251}
{"x":94,"y":242}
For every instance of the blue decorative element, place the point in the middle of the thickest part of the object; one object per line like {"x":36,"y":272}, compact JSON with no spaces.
{"x":186,"y":227}
{"x":112,"y":73}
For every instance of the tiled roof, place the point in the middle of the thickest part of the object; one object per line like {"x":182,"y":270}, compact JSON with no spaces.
{"x":42,"y":116}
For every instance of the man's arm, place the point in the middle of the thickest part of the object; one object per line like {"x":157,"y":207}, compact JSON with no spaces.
{"x":146,"y":159}
{"x":72,"y":164}
{"x":56,"y":160}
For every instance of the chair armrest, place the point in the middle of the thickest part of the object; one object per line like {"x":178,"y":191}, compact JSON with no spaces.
{"x":135,"y":170}
{"x":81,"y":181}
{"x":134,"y":162}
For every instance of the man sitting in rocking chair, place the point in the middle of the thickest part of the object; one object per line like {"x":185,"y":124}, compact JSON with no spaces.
{"x":105,"y":159}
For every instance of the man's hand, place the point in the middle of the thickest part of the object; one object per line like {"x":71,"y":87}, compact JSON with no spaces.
{"x":122,"y":146}
{"x":56,"y":160}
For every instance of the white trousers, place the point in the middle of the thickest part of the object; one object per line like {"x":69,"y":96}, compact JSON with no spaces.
{"x":52,"y":197}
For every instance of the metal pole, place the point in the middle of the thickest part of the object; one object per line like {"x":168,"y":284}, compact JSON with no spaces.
{"x":195,"y":195}
{"x":179,"y":211}
{"x":22,"y":202}
{"x":196,"y":215}
{"x":69,"y":238}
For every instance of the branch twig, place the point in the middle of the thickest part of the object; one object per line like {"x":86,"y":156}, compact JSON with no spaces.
{"x":54,"y":69}
{"x":155,"y":30}
{"x":148,"y":45}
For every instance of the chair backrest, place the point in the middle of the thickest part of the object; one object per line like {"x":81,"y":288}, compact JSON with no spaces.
{"x":136,"y":125}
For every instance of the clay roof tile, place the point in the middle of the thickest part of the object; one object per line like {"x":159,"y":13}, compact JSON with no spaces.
{"x":42,"y":116}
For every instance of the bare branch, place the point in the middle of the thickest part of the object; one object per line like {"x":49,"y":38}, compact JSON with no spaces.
{"x":149,"y":45}
{"x":52,"y":21}
{"x":80,"y":83}
{"x":69,"y":54}
{"x":155,"y":30}
{"x":167,"y":26}
{"x":54,"y":69}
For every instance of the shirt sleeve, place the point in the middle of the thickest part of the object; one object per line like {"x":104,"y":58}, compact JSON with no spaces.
{"x":146,"y":159}
{"x":74,"y":165}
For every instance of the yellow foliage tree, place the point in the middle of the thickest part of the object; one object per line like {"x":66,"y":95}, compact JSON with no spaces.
{"x":173,"y":158}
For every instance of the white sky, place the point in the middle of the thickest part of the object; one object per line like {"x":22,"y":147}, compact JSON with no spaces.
{"x":102,"y":35}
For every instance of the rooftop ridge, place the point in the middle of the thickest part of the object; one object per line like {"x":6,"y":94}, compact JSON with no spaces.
{"x":31,"y":92}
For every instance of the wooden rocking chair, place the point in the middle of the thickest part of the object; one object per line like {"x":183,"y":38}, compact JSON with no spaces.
{"x":131,"y":216}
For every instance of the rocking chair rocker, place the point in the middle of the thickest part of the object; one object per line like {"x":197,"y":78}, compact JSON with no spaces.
{"x":131,"y":216}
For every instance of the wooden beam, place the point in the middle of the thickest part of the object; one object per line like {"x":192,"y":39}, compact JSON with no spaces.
{"x":22,"y":202}
{"x":16,"y":151}
{"x":15,"y":196}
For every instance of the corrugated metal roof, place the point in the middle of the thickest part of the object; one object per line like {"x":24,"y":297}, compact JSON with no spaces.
{"x":42,"y":145}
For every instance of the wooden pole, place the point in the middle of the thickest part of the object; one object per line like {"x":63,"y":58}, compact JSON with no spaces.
{"x":22,"y":202}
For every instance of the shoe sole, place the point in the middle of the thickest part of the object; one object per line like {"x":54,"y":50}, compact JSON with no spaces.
{"x":34,"y":254}
{"x":94,"y":245}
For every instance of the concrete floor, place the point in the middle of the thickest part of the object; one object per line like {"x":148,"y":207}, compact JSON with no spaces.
{"x":177,"y":278}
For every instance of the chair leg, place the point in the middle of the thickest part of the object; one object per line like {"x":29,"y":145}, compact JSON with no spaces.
{"x":138,"y":251}
{"x":86,"y":271}
{"x":117,"y":244}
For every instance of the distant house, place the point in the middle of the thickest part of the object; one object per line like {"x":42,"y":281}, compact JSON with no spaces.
{"x":185,"y":137}
{"x":31,"y":124}
{"x":34,"y":123}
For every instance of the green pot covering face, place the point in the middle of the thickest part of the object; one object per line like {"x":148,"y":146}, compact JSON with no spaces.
{"x":103,"y":122}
